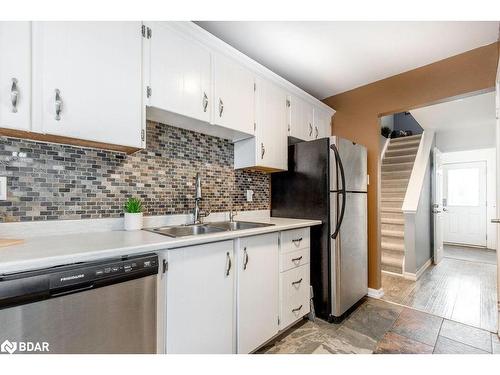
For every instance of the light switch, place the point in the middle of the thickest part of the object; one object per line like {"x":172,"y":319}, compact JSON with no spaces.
{"x":249,"y":195}
{"x":3,"y":188}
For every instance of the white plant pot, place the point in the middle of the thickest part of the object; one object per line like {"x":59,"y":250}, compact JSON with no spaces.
{"x":133,"y":221}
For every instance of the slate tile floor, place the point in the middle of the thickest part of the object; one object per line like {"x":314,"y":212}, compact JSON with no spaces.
{"x":462,"y":287}
{"x":382,"y":327}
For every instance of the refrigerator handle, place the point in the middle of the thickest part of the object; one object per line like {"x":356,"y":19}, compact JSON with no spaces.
{"x":338,"y":161}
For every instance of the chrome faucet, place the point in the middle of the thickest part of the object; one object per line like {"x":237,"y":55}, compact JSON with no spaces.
{"x":197,"y":213}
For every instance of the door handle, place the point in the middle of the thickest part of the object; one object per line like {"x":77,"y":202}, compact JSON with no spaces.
{"x":297,"y":282}
{"x":221,"y":107}
{"x":228,"y":263}
{"x":445,"y":209}
{"x":310,"y":130}
{"x":262,"y":150}
{"x":58,"y":104}
{"x":436,"y":211}
{"x":495,"y":221}
{"x":316,"y":130}
{"x":245,"y":259}
{"x":14,"y":95}
{"x":205,"y":102}
{"x":297,"y":309}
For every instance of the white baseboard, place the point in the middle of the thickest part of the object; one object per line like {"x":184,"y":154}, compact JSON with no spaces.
{"x":421,"y":270}
{"x":375,"y":293}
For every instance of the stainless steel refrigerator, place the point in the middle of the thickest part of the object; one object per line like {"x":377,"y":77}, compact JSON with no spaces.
{"x":327,"y":180}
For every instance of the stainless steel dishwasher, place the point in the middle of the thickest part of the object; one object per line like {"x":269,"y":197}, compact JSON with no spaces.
{"x":91,"y":307}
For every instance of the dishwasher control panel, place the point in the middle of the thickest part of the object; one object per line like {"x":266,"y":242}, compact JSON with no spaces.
{"x":142,"y":265}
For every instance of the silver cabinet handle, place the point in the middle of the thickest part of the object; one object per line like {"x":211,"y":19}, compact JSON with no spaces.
{"x":262,"y":150}
{"x":436,"y":211}
{"x":310,"y":130}
{"x":297,"y":282}
{"x":316,"y":130}
{"x":58,"y":104}
{"x":296,"y":260}
{"x":14,"y":95}
{"x":245,"y":259}
{"x":495,"y":221}
{"x":228,"y":263}
{"x":205,"y":102}
{"x":297,"y":309}
{"x":221,"y":107}
{"x":297,"y":241}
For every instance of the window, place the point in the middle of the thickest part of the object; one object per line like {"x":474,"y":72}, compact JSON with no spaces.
{"x":463,"y":187}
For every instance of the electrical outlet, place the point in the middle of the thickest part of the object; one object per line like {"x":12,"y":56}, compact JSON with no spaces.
{"x":3,"y":188}
{"x":249,"y":195}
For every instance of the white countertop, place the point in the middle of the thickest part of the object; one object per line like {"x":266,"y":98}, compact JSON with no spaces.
{"x":50,"y":251}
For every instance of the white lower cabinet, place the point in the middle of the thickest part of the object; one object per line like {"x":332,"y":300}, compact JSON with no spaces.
{"x":295,"y":282}
{"x":201,"y":299}
{"x":232,"y":296}
{"x":258,"y":291}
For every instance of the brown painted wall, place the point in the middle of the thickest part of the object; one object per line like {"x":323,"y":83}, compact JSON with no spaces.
{"x":358,"y":113}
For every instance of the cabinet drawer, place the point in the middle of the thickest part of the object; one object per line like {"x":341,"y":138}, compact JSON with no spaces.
{"x":294,"y":259}
{"x":295,"y":288}
{"x":295,"y":239}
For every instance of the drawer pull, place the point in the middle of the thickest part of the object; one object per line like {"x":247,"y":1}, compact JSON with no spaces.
{"x":297,"y":260}
{"x":245,"y":258}
{"x":297,"y":309}
{"x":296,"y":242}
{"x":297,"y":282}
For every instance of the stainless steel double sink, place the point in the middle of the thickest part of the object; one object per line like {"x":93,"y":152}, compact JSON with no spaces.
{"x":199,"y":229}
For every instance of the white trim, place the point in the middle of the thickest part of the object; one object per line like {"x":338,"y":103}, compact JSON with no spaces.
{"x":375,"y":293}
{"x":417,"y":177}
{"x":416,"y":276}
{"x":384,"y":149}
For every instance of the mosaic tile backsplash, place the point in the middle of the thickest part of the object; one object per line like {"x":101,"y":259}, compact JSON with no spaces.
{"x":65,"y":182}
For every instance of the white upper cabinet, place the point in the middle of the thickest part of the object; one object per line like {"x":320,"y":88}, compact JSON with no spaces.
{"x":258,"y":291}
{"x":322,"y":123}
{"x":266,"y":151}
{"x":179,"y":73}
{"x":300,"y":118}
{"x":234,"y":95}
{"x":87,"y":81}
{"x":15,"y":75}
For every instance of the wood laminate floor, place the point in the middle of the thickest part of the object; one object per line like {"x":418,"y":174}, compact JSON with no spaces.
{"x":382,"y":327}
{"x":462,"y":288}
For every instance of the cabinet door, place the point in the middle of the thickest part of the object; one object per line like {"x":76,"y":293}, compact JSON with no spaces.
{"x":179,"y":73}
{"x":87,"y":80}
{"x":200,"y":299}
{"x":234,"y":96}
{"x":15,"y":75}
{"x":322,"y":123}
{"x":271,"y":125}
{"x":300,"y":119}
{"x":258,"y":291}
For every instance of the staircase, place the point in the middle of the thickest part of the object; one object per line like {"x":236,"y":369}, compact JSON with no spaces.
{"x":396,"y":170}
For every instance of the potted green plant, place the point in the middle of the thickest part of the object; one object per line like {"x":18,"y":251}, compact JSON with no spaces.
{"x":133,"y":214}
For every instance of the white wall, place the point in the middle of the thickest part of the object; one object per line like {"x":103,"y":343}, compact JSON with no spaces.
{"x":488,"y":155}
{"x":465,"y":139}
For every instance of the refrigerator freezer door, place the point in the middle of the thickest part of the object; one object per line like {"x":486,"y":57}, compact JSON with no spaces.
{"x":354,"y":159}
{"x":349,"y":253}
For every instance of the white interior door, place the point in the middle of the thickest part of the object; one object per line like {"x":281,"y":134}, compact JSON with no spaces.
{"x":497,"y":220}
{"x":464,"y":199}
{"x":437,"y":206}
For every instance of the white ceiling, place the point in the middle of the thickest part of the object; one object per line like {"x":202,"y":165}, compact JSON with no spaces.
{"x":474,"y":113}
{"x":327,"y":58}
